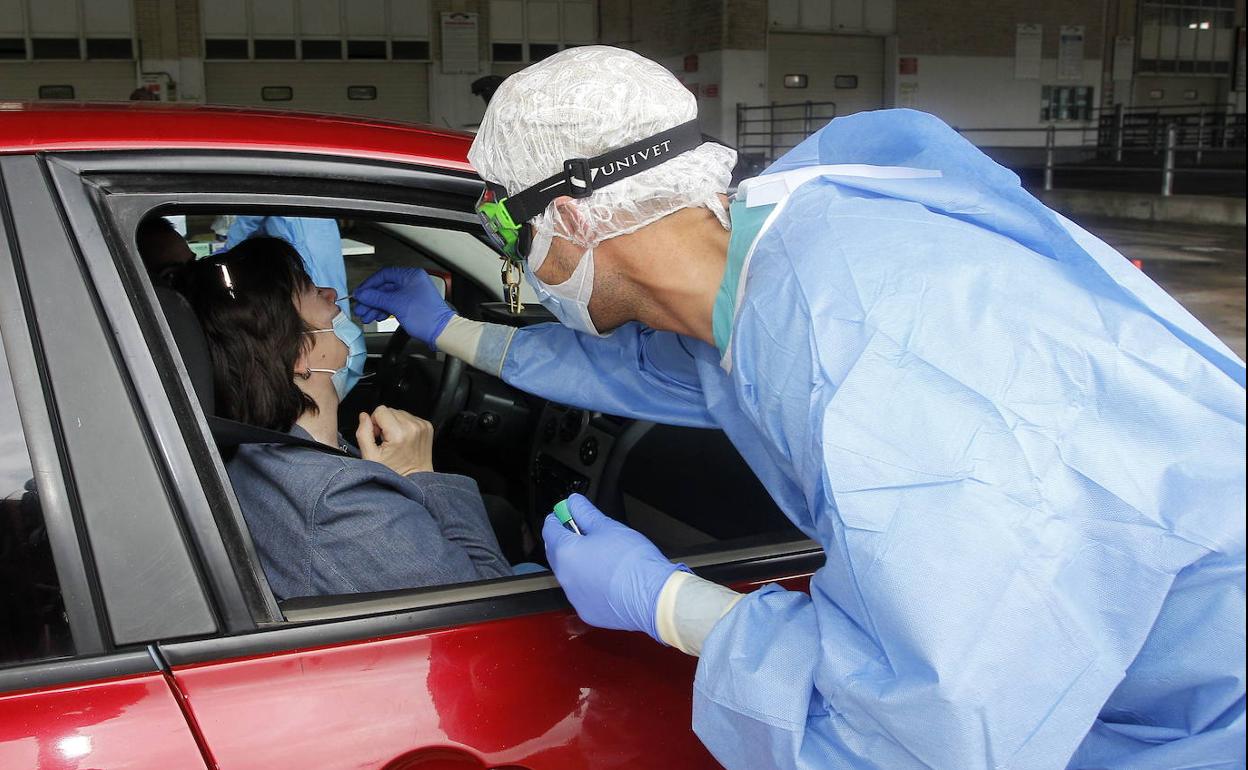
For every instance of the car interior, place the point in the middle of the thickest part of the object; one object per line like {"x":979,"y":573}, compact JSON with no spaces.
{"x":31,"y":601}
{"x":687,"y":489}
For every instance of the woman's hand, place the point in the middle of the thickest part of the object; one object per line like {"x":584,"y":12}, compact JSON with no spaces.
{"x":406,"y":441}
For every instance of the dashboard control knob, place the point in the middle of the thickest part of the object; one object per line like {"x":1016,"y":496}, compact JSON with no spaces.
{"x":570,"y":426}
{"x":589,"y":450}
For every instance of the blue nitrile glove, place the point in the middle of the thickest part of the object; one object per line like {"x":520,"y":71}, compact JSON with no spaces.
{"x":407,"y":293}
{"x":611,"y":574}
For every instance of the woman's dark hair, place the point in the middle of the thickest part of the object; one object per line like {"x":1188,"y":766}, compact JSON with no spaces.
{"x":245,"y":301}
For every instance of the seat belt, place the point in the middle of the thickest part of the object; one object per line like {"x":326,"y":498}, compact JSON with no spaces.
{"x":230,"y":434}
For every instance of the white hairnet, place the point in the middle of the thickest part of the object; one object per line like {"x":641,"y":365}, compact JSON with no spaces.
{"x":583,"y":102}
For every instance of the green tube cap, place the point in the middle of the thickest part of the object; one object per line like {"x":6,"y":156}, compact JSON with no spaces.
{"x":565,"y":517}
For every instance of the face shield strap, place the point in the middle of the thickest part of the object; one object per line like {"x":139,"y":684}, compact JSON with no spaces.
{"x":582,"y":176}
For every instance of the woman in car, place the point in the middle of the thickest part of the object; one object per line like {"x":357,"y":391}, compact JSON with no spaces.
{"x":376,"y":518}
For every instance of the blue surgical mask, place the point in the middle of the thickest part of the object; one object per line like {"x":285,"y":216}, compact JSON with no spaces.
{"x":353,"y":337}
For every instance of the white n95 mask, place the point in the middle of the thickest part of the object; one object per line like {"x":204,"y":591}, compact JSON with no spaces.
{"x":569,"y":301}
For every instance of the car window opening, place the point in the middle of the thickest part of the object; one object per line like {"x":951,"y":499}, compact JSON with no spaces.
{"x":501,"y":458}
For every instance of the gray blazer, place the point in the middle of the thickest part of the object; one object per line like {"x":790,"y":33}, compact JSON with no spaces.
{"x":324,"y":524}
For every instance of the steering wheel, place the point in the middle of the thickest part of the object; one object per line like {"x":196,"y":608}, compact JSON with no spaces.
{"x":393,"y":384}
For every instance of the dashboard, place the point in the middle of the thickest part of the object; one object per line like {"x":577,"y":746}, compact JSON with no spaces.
{"x":570,"y":451}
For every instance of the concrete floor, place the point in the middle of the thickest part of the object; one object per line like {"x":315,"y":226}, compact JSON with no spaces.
{"x":1202,"y":266}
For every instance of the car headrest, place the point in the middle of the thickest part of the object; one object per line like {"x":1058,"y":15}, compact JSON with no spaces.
{"x":189,"y":337}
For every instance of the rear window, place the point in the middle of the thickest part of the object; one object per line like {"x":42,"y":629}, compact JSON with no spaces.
{"x":33,"y":625}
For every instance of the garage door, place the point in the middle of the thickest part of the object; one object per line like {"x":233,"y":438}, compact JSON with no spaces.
{"x":91,"y":80}
{"x":399,"y":90}
{"x":845,"y":69}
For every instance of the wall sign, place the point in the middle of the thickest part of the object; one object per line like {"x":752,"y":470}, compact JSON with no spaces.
{"x":1240,"y":78}
{"x":159,"y":83}
{"x":1124,"y":57}
{"x":1027,"y":48}
{"x":1070,"y":53}
{"x":908,"y":95}
{"x":459,"y":44}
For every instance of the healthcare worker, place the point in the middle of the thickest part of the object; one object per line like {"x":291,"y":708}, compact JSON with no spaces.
{"x":1024,"y":461}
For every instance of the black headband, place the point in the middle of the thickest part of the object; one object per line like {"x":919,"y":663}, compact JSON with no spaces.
{"x":581,"y":176}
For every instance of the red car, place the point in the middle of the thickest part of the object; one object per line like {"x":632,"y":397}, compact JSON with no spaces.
{"x":139,"y":630}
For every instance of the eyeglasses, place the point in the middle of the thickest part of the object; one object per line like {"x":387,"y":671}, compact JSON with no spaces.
{"x":512,"y":239}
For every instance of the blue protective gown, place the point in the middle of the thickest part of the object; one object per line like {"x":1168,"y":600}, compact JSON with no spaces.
{"x":1024,"y":461}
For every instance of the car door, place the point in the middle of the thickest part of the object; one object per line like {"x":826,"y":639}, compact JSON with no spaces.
{"x":79,"y":685}
{"x":493,"y":674}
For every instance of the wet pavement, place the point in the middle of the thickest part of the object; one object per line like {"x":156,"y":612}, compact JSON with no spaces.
{"x":1202,"y":266}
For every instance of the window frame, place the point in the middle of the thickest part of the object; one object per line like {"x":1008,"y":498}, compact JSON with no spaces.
{"x":81,"y":35}
{"x":129,"y":186}
{"x":22,"y":350}
{"x":1082,"y":101}
{"x":1218,"y":63}
{"x":95,"y":656}
{"x":344,"y":38}
{"x":823,"y":17}
{"x":521,"y":39}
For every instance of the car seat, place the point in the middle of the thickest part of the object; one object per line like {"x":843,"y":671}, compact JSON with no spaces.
{"x":188,"y":335}
{"x":189,"y":338}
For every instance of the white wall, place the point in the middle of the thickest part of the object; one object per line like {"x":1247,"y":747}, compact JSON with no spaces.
{"x":451,"y":101}
{"x":981,"y":92}
{"x":744,"y":82}
{"x":723,"y":79}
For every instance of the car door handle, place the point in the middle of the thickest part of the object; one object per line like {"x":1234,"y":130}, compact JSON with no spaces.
{"x":444,"y":758}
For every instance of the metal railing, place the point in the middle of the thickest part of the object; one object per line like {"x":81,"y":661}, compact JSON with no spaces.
{"x":1214,"y":126}
{"x":1118,"y":146}
{"x":769,"y":130}
{"x":1127,"y":145}
{"x":1182,"y":149}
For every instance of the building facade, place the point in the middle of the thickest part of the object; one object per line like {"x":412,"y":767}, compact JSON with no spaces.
{"x":978,"y":64}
